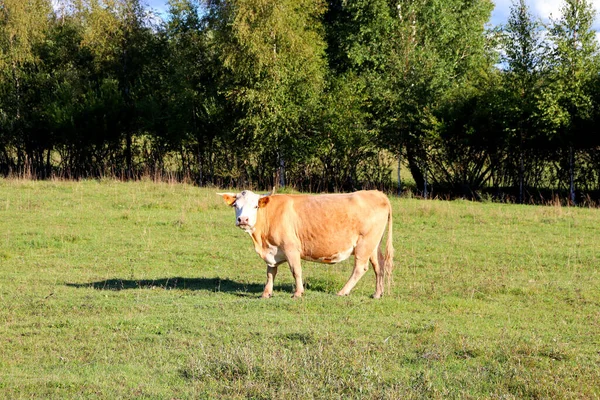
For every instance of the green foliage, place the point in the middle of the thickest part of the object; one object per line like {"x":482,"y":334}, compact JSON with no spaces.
{"x":574,"y":59}
{"x":22,"y":27}
{"x":321,"y":95}
{"x":523,"y":85}
{"x":428,"y":49}
{"x":275,"y":54}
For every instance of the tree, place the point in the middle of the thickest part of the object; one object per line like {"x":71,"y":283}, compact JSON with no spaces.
{"x":274,"y":51}
{"x":522,"y":45}
{"x":117,"y":33}
{"x":435,"y":46}
{"x":23,"y":26}
{"x":195,"y":109}
{"x":567,"y":104}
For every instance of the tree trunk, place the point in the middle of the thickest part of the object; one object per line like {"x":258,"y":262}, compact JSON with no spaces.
{"x":48,"y":166}
{"x":281,"y":171}
{"x":128,"y":156}
{"x":521,"y":175}
{"x":399,"y":177}
{"x":572,"y":175}
{"x":425,"y":191}
{"x":200,"y":178}
{"x":415,"y":170}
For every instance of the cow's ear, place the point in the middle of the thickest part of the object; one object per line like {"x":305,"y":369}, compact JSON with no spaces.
{"x":228,"y":197}
{"x":263,"y":201}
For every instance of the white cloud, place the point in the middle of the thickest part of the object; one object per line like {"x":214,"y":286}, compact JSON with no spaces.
{"x":545,"y":9}
{"x":539,"y":8}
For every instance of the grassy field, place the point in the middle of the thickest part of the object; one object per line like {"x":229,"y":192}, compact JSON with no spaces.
{"x":148,"y":290}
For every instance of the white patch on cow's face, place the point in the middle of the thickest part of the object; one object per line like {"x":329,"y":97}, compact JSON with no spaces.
{"x":246,"y":210}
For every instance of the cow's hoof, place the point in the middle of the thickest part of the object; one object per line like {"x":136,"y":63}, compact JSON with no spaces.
{"x":296,"y":295}
{"x":266,"y":295}
{"x":342,"y":294}
{"x":377,"y":296}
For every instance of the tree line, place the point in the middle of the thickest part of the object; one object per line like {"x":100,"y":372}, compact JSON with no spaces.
{"x":321,"y":96}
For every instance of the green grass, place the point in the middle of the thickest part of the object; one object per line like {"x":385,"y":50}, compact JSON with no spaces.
{"x":146,"y":290}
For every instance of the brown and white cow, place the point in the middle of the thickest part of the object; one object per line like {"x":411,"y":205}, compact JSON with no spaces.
{"x":324,"y":228}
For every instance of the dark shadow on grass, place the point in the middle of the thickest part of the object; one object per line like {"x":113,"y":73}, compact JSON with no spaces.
{"x":179,"y":283}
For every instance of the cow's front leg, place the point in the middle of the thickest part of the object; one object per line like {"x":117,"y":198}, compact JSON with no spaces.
{"x":296,"y":268}
{"x":271,"y":273}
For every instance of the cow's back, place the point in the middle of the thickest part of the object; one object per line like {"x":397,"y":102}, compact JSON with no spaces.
{"x":327,"y":226}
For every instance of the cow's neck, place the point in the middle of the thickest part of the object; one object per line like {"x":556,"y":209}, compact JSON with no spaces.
{"x":258,"y":234}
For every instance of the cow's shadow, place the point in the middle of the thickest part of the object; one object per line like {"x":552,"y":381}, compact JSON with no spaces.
{"x":242,"y":289}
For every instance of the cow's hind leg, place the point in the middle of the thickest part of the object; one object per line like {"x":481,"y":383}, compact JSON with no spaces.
{"x":271,"y":273}
{"x":360,"y":267}
{"x":377,"y":263}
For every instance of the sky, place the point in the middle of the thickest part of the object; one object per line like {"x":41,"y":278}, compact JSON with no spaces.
{"x":541,"y":8}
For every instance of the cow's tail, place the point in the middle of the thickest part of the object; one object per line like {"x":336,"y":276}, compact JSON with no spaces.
{"x":388,"y":260}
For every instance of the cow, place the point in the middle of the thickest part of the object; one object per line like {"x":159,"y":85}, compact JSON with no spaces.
{"x":326,"y":228}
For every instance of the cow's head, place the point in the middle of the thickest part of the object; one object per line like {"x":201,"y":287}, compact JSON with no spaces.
{"x":246,"y":206}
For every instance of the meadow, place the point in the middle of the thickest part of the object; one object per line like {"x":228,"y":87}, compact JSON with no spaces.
{"x":148,"y":290}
